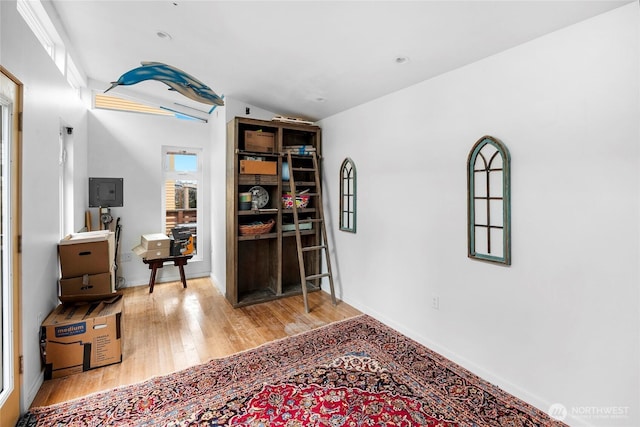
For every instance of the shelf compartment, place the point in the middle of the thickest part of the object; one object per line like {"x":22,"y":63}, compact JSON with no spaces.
{"x":257,"y":126}
{"x":257,"y":265}
{"x":255,"y":296}
{"x":296,"y":137}
{"x":290,"y":266}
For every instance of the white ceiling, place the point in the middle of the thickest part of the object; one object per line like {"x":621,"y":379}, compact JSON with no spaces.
{"x":308,"y":59}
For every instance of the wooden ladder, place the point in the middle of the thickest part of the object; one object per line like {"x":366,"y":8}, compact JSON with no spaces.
{"x":323,"y":244}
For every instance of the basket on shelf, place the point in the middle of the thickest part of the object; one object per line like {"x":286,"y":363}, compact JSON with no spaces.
{"x":256,"y":228}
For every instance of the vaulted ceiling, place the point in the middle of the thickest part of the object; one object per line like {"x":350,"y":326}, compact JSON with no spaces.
{"x":308,"y":59}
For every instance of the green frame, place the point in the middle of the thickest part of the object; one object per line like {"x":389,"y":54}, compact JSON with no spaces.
{"x":489,"y":203}
{"x":348,"y":187}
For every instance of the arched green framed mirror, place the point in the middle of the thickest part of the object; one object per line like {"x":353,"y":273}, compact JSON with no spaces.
{"x":489,"y":200}
{"x":348,"y":196}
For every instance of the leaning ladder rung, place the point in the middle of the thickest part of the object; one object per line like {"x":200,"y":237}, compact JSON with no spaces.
{"x":317,"y":276}
{"x":313,"y":248}
{"x":322,"y":238}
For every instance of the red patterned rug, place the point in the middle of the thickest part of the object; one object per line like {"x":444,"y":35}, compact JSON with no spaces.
{"x":357,"y":372}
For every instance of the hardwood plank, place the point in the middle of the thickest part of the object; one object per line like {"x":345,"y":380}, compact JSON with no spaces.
{"x":175,"y":328}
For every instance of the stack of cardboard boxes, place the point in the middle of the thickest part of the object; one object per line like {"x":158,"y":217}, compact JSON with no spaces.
{"x":258,"y":142}
{"x":86,"y":264}
{"x":84,"y":332}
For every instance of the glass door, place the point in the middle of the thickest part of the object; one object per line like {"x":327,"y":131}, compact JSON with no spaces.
{"x":10,"y":381}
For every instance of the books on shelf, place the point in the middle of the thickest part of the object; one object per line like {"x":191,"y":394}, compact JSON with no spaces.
{"x":300,"y":149}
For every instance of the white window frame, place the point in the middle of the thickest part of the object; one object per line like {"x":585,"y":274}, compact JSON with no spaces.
{"x":197,"y":176}
{"x":37,"y":18}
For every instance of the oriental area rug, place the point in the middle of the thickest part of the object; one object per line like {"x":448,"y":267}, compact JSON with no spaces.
{"x":356,"y":372}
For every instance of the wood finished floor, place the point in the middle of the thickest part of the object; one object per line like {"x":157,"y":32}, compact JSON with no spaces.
{"x":175,"y":328}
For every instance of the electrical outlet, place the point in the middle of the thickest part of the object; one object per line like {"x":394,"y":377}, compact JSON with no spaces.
{"x":127,"y":256}
{"x":435,"y":303}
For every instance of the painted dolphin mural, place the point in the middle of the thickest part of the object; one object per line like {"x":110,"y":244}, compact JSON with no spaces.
{"x":173,"y":77}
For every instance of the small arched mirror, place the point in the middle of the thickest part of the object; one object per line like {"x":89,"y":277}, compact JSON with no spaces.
{"x":488,"y":188}
{"x":348,"y":196}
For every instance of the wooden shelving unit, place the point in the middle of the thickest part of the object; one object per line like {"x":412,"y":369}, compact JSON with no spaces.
{"x":264,"y":267}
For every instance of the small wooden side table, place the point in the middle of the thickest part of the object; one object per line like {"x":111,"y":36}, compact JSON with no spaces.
{"x":154,"y":264}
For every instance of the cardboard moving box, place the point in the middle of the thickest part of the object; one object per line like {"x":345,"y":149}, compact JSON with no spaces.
{"x":76,"y":338}
{"x":88,"y":284}
{"x":86,"y":253}
{"x":257,"y":167}
{"x":262,"y":142}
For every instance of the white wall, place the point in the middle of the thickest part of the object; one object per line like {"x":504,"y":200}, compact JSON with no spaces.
{"x":560,"y":325}
{"x":49,"y":103}
{"x":129,"y":146}
{"x":235,"y":108}
{"x":218,"y":197}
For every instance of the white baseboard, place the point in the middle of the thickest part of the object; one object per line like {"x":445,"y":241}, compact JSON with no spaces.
{"x":28,"y":397}
{"x":489,"y":376}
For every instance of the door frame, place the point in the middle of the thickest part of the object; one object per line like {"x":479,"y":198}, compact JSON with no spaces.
{"x":11,"y":408}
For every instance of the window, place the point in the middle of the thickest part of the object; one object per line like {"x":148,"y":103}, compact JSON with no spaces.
{"x":36,"y":17}
{"x":182,"y":176}
{"x":488,"y":187}
{"x":108,"y":102}
{"x":348,"y":196}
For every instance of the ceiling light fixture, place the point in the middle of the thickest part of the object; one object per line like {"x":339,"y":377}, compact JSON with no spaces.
{"x":401,"y":59}
{"x":164,"y":35}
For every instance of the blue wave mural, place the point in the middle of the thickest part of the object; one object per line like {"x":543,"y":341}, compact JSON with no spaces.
{"x":176,"y":79}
